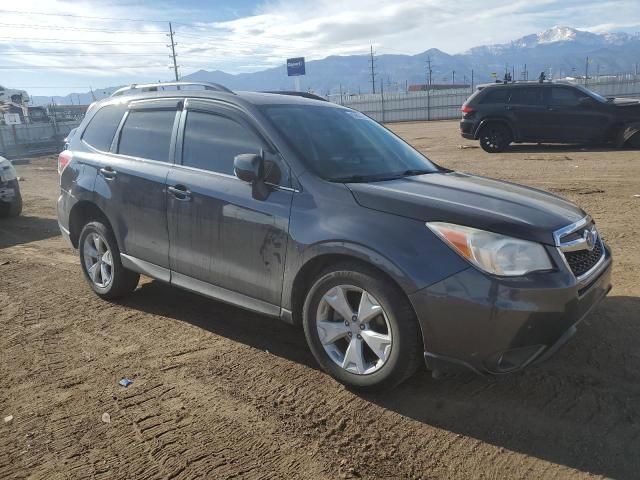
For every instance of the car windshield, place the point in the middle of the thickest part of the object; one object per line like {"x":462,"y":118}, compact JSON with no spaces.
{"x":343,"y":145}
{"x":592,"y":94}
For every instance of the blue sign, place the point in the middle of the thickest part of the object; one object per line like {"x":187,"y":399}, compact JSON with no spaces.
{"x":295,"y":66}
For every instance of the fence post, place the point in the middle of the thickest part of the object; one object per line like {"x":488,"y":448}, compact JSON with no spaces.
{"x":428,"y":104}
{"x":15,"y":140}
{"x":2,"y":145}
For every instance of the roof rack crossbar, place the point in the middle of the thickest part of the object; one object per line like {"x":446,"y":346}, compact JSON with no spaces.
{"x":152,"y":87}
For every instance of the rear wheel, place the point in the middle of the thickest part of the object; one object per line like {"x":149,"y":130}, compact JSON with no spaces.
{"x":361,"y":328}
{"x":101,"y":265}
{"x":495,"y":138}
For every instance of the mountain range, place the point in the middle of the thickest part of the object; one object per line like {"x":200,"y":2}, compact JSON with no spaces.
{"x":560,"y":51}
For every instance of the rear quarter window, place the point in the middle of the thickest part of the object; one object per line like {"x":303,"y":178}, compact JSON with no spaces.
{"x":527,"y":96}
{"x":102,"y":127}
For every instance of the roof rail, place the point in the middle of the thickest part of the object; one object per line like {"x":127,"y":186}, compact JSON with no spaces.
{"x":154,"y":87}
{"x":312,"y":96}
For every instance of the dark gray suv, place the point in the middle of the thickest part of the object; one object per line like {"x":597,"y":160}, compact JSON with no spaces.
{"x":313,"y":213}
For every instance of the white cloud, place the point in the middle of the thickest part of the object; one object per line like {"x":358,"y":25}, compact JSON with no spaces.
{"x":277,"y":30}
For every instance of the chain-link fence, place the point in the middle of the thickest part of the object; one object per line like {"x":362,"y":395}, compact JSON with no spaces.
{"x":445,"y":104}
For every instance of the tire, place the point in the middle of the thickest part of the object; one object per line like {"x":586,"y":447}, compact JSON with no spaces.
{"x":98,"y":248}
{"x":391,"y":329}
{"x":495,"y":138}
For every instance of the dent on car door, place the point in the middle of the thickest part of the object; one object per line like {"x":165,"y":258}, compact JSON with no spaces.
{"x":219,"y":233}
{"x":136,"y":179}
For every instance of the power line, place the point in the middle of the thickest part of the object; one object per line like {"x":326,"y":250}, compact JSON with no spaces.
{"x":82,"y":42}
{"x":79,"y":29}
{"x":78,"y":67}
{"x":79,"y":54}
{"x":81,"y":16}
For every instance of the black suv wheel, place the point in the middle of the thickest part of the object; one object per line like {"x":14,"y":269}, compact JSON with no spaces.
{"x":494,"y":138}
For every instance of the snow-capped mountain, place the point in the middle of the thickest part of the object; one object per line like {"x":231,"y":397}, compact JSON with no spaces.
{"x":559,"y":34}
{"x":561,"y":50}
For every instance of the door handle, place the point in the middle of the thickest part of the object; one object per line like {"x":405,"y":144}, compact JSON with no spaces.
{"x":180,"y":192}
{"x":108,"y":173}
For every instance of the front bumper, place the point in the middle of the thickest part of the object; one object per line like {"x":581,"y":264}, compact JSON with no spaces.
{"x":9,"y":191}
{"x":497,"y":325}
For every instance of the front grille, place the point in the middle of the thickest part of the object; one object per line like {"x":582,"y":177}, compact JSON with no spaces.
{"x":581,"y":261}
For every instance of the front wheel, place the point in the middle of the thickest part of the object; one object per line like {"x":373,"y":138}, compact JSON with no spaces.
{"x":101,"y":265}
{"x":495,"y":138}
{"x":361,"y":328}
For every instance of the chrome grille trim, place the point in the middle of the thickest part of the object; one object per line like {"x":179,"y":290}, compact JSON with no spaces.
{"x":577,"y":245}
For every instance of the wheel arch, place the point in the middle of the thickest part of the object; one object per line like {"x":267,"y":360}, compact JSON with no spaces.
{"x":81,"y":213}
{"x":311,"y":268}
{"x":499,"y":120}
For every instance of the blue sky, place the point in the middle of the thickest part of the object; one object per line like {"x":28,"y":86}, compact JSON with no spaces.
{"x":51,"y":54}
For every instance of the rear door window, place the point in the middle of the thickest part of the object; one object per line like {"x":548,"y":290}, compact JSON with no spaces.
{"x":496,"y":96}
{"x":527,"y":96}
{"x":102,"y":127}
{"x":147,"y":134}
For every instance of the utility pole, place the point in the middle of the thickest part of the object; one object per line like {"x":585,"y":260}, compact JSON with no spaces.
{"x":472,"y":80}
{"x":429,"y":71}
{"x":453,"y":77}
{"x":173,"y":51}
{"x":92,"y":94}
{"x":586,"y":70}
{"x":373,"y":72}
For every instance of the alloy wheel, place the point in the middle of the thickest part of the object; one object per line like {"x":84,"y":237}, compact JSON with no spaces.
{"x":98,"y":260}
{"x":354,"y":329}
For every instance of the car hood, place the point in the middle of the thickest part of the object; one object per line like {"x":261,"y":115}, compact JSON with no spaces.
{"x":474,"y":201}
{"x":624,"y":102}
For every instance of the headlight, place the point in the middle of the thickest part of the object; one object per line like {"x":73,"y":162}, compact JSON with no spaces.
{"x":492,"y":252}
{"x":7,"y":172}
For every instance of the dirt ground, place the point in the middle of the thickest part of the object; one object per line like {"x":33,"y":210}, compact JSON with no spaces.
{"x":221,"y":393}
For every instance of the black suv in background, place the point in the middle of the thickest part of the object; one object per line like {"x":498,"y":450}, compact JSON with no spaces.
{"x":314,"y":213}
{"x":501,"y":113}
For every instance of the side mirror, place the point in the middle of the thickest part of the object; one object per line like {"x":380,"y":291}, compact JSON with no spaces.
{"x":249,"y":167}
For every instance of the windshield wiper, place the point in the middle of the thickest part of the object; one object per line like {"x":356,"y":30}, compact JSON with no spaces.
{"x":354,"y":178}
{"x":415,"y":171}
{"x":380,"y":177}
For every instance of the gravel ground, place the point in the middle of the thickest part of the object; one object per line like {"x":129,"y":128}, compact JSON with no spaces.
{"x":221,"y":393}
